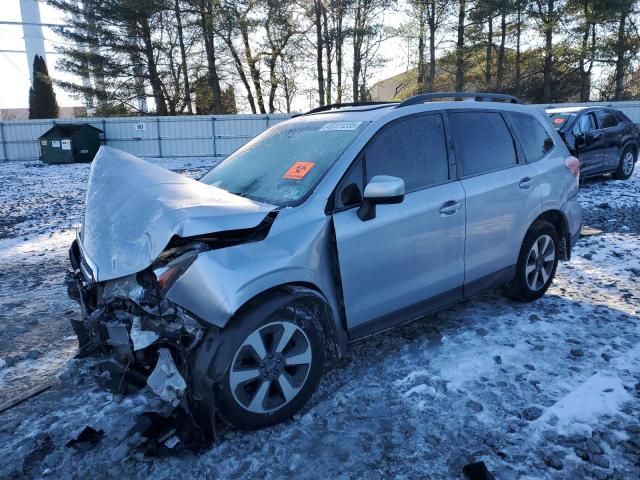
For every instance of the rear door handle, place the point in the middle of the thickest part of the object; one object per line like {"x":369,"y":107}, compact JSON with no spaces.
{"x":450,"y":207}
{"x":526,"y":182}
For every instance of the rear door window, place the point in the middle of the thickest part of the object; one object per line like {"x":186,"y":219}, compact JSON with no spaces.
{"x":413,"y":149}
{"x":483,"y":142}
{"x":606,"y":118}
{"x":533,"y":137}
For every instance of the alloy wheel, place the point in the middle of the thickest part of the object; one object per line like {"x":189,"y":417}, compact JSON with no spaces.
{"x":540,"y":262}
{"x":270,"y":367}
{"x":627,"y":163}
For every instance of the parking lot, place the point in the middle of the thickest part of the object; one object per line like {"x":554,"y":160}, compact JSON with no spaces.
{"x":544,"y":390}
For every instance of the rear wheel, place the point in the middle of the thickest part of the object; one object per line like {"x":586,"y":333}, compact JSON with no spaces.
{"x":626,"y":165}
{"x":275,"y":369}
{"x":537,"y":263}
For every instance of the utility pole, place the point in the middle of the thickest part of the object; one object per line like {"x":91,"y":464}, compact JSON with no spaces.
{"x":32,"y":30}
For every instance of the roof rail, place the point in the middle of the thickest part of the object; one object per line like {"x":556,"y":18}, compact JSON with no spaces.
{"x":477,"y":96}
{"x":325,"y":108}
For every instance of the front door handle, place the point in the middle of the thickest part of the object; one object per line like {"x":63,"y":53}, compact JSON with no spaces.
{"x":526,"y":182}
{"x":450,"y":207}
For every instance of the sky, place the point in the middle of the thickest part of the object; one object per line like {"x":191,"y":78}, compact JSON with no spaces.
{"x":14,"y":81}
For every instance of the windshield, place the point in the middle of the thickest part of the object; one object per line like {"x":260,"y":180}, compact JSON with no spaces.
{"x":559,"y":120}
{"x":282,"y":165}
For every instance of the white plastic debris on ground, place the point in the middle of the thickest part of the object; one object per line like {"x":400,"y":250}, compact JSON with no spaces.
{"x":165,"y":380}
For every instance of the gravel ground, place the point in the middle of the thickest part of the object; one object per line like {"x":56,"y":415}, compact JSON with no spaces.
{"x":546,"y":390}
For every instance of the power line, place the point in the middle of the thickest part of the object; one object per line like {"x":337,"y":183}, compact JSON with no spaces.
{"x":8,"y":22}
{"x":24,"y":51}
{"x":16,"y":66}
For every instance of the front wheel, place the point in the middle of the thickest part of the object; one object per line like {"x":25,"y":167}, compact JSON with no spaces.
{"x":275,"y":368}
{"x":537,"y":263}
{"x":626,"y":165}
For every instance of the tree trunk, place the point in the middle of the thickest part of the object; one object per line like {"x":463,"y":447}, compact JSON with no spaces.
{"x":273,"y":81}
{"x":339,"y":43}
{"x":460,"y":47}
{"x":328,"y":51}
{"x":252,"y":63}
{"x":489,"y":56}
{"x":548,"y":52}
{"x":358,"y":37}
{"x":431,"y":78}
{"x":503,"y":38}
{"x":422,"y":77}
{"x":585,"y":74}
{"x":154,"y":78}
{"x":183,"y":54}
{"x":213,"y":79}
{"x":620,"y":51}
{"x":317,"y":8}
{"x":518,"y":79}
{"x":243,"y":76}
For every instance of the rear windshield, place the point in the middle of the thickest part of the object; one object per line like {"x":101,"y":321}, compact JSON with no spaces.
{"x":282,"y":165}
{"x":559,"y":120}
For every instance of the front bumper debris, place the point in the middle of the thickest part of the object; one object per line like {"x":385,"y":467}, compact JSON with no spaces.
{"x":144,"y":343}
{"x":165,"y":380}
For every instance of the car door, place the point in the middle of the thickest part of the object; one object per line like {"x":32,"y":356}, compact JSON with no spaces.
{"x":612,"y":138}
{"x":408,"y":258}
{"x":590,"y":144}
{"x":502,"y":195}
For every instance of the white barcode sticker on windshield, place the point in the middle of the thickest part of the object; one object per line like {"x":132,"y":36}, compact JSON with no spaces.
{"x":340,"y":126}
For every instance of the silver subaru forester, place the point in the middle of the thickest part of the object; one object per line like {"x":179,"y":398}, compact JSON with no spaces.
{"x":228,"y":296}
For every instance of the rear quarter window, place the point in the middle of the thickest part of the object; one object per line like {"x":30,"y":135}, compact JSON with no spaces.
{"x":483,"y":142}
{"x":606,"y":118}
{"x":533,"y":137}
{"x":621,"y":117}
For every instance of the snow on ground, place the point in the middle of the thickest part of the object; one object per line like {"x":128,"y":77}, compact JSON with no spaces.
{"x":546,"y":390}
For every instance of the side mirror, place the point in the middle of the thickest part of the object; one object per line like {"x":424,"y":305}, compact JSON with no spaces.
{"x":381,"y":190}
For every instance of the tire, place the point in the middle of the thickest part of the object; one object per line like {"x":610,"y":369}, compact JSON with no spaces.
{"x":626,"y":164}
{"x":276,"y":367}
{"x":534,"y":273}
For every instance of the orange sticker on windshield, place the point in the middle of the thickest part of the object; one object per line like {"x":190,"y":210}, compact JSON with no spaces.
{"x":298,"y":170}
{"x":558,"y":120}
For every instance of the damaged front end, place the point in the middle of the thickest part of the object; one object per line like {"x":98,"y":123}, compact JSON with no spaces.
{"x":143,"y":228}
{"x":148,"y":339}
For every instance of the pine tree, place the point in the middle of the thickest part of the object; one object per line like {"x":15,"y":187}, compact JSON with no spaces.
{"x":42,"y":99}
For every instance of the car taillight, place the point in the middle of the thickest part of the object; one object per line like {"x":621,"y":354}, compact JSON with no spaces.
{"x":573,"y":164}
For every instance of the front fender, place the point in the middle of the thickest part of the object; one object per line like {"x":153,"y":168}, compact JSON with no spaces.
{"x":220,"y":282}
{"x":215,"y":293}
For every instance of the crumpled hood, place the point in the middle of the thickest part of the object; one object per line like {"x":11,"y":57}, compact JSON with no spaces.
{"x":133,"y":208}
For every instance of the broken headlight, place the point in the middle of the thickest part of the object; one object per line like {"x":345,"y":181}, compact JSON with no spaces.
{"x":167,"y":275}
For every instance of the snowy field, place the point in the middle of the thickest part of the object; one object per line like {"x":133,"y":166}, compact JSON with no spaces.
{"x":546,"y":390}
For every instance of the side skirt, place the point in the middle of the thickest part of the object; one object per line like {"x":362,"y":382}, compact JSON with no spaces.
{"x":406,"y":315}
{"x":432,"y":305}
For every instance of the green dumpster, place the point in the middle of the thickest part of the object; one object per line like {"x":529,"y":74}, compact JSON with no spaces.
{"x":70,"y":143}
